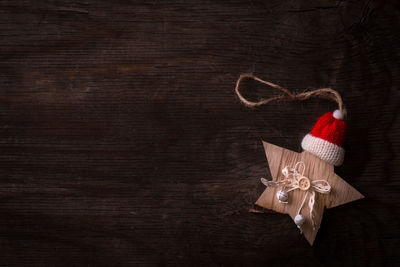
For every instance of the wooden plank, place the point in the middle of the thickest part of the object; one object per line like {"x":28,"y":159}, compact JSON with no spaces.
{"x":122,"y":142}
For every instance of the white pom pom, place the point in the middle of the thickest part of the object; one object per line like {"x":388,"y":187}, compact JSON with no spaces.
{"x":338,"y":115}
{"x":299,"y":220}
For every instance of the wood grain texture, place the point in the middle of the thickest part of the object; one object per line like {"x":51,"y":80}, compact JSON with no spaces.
{"x":315,"y":169}
{"x":122,"y":142}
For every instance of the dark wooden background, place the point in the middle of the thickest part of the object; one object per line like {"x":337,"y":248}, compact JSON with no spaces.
{"x":122,"y":142}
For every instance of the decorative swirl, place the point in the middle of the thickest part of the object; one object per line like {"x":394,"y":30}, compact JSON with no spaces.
{"x":293,"y":180}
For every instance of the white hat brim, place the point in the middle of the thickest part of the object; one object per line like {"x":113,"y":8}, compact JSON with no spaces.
{"x":331,"y":153}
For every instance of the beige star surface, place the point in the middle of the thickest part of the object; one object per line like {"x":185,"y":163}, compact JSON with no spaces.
{"x":316,"y":169}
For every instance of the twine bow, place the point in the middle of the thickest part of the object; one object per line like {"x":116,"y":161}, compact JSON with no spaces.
{"x":294,"y":180}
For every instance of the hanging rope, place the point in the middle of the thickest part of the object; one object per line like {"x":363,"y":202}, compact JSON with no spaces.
{"x":326,"y":93}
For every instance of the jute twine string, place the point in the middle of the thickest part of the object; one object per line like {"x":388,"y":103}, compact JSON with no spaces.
{"x":326,"y":93}
{"x":291,"y":182}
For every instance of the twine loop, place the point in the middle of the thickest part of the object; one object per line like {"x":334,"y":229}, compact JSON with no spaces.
{"x":326,"y":93}
{"x":294,"y":179}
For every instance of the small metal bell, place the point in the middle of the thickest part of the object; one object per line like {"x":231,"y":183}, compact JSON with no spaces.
{"x":299,"y":220}
{"x":282,"y":196}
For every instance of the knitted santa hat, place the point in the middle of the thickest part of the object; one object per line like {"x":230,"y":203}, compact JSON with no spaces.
{"x":327,"y":137}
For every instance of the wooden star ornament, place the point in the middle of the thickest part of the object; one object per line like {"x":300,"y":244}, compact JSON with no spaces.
{"x":304,"y":184}
{"x":315,"y":170}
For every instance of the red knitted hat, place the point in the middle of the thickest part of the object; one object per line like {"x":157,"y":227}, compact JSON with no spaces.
{"x":327,"y":137}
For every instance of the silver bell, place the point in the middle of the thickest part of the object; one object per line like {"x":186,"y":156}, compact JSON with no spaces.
{"x":299,"y":220}
{"x":282,"y":196}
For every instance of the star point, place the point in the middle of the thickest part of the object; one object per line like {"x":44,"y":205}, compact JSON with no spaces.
{"x":315,"y":169}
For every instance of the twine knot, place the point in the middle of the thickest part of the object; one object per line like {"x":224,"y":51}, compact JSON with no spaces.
{"x":293,"y":180}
